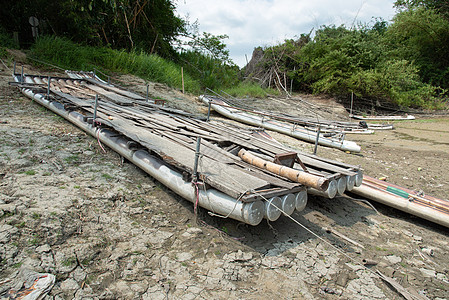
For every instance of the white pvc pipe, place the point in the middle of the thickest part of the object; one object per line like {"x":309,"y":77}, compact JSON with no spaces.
{"x":301,"y":200}
{"x":330,"y":193}
{"x":288,"y":203}
{"x":271,"y":211}
{"x":350,"y":182}
{"x":403,"y":204}
{"x":341,"y":185}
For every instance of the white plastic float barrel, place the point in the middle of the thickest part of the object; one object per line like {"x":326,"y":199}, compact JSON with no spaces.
{"x":330,"y":193}
{"x":359,"y":178}
{"x":288,"y":203}
{"x":271,"y":210}
{"x":341,"y":185}
{"x":350,"y":182}
{"x":301,"y":200}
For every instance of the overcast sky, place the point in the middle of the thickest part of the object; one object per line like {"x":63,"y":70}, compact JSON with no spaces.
{"x":253,"y":23}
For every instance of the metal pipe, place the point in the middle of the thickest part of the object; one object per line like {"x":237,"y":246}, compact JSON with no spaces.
{"x":48,"y":87}
{"x":316,"y":141}
{"x":95,"y":109}
{"x":197,"y":156}
{"x":208,"y":111}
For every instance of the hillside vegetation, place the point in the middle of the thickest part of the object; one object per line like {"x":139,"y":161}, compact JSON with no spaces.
{"x":402,"y":63}
{"x":405,"y":63}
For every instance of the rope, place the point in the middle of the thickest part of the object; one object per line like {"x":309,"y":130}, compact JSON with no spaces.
{"x":304,"y":227}
{"x":235,"y":205}
{"x":377,"y":274}
{"x":5,"y":64}
{"x":46,"y":63}
{"x":361,"y":200}
{"x":195,"y":206}
{"x":98,"y":136}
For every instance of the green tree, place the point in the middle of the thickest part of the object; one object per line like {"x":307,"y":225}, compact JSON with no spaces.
{"x":438,"y":5}
{"x":421,"y":36}
{"x":149,"y":25}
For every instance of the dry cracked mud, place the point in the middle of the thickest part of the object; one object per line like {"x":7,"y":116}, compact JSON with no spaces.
{"x":107,"y":230}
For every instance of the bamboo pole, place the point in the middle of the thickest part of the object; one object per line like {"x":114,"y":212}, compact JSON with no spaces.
{"x":403,"y":193}
{"x":182,"y":78}
{"x":302,"y":177}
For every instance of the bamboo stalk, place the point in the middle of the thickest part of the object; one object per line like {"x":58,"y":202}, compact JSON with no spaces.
{"x":302,"y":177}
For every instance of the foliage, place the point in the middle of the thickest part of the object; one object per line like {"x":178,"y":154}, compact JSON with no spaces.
{"x":211,"y":72}
{"x":69,"y":55}
{"x":205,"y":57}
{"x":422,"y":36}
{"x":6,"y":40}
{"x":439,"y":6}
{"x":131,"y":24}
{"x":405,"y":62}
{"x":205,"y":43}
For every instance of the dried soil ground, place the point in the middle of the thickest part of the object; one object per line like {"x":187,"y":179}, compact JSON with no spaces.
{"x":108,"y":231}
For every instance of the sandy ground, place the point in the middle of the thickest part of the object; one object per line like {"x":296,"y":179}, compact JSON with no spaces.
{"x":109,"y":231}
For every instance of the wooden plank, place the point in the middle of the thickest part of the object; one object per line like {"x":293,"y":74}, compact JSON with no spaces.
{"x":121,"y":100}
{"x":219,"y":175}
{"x":117,"y":90}
{"x":74,"y":100}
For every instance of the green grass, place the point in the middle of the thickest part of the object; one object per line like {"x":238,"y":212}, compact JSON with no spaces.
{"x":106,"y":176}
{"x":69,"y":262}
{"x":69,"y":55}
{"x":30,"y":172}
{"x":72,"y":158}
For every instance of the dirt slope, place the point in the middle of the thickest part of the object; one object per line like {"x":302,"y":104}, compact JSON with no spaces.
{"x":108,"y":231}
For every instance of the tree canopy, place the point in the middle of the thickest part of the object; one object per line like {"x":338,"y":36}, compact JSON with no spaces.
{"x":149,"y":25}
{"x":404,"y":62}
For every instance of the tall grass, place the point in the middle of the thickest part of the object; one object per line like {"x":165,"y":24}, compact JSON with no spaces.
{"x":200,"y":71}
{"x":6,"y":40}
{"x":69,"y":55}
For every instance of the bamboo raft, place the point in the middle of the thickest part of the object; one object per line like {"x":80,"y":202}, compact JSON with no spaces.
{"x":334,"y":140}
{"x":314,"y":124}
{"x":383,"y":118}
{"x":233,"y":172}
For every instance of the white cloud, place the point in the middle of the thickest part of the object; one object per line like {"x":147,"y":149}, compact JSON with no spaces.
{"x":251,"y":23}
